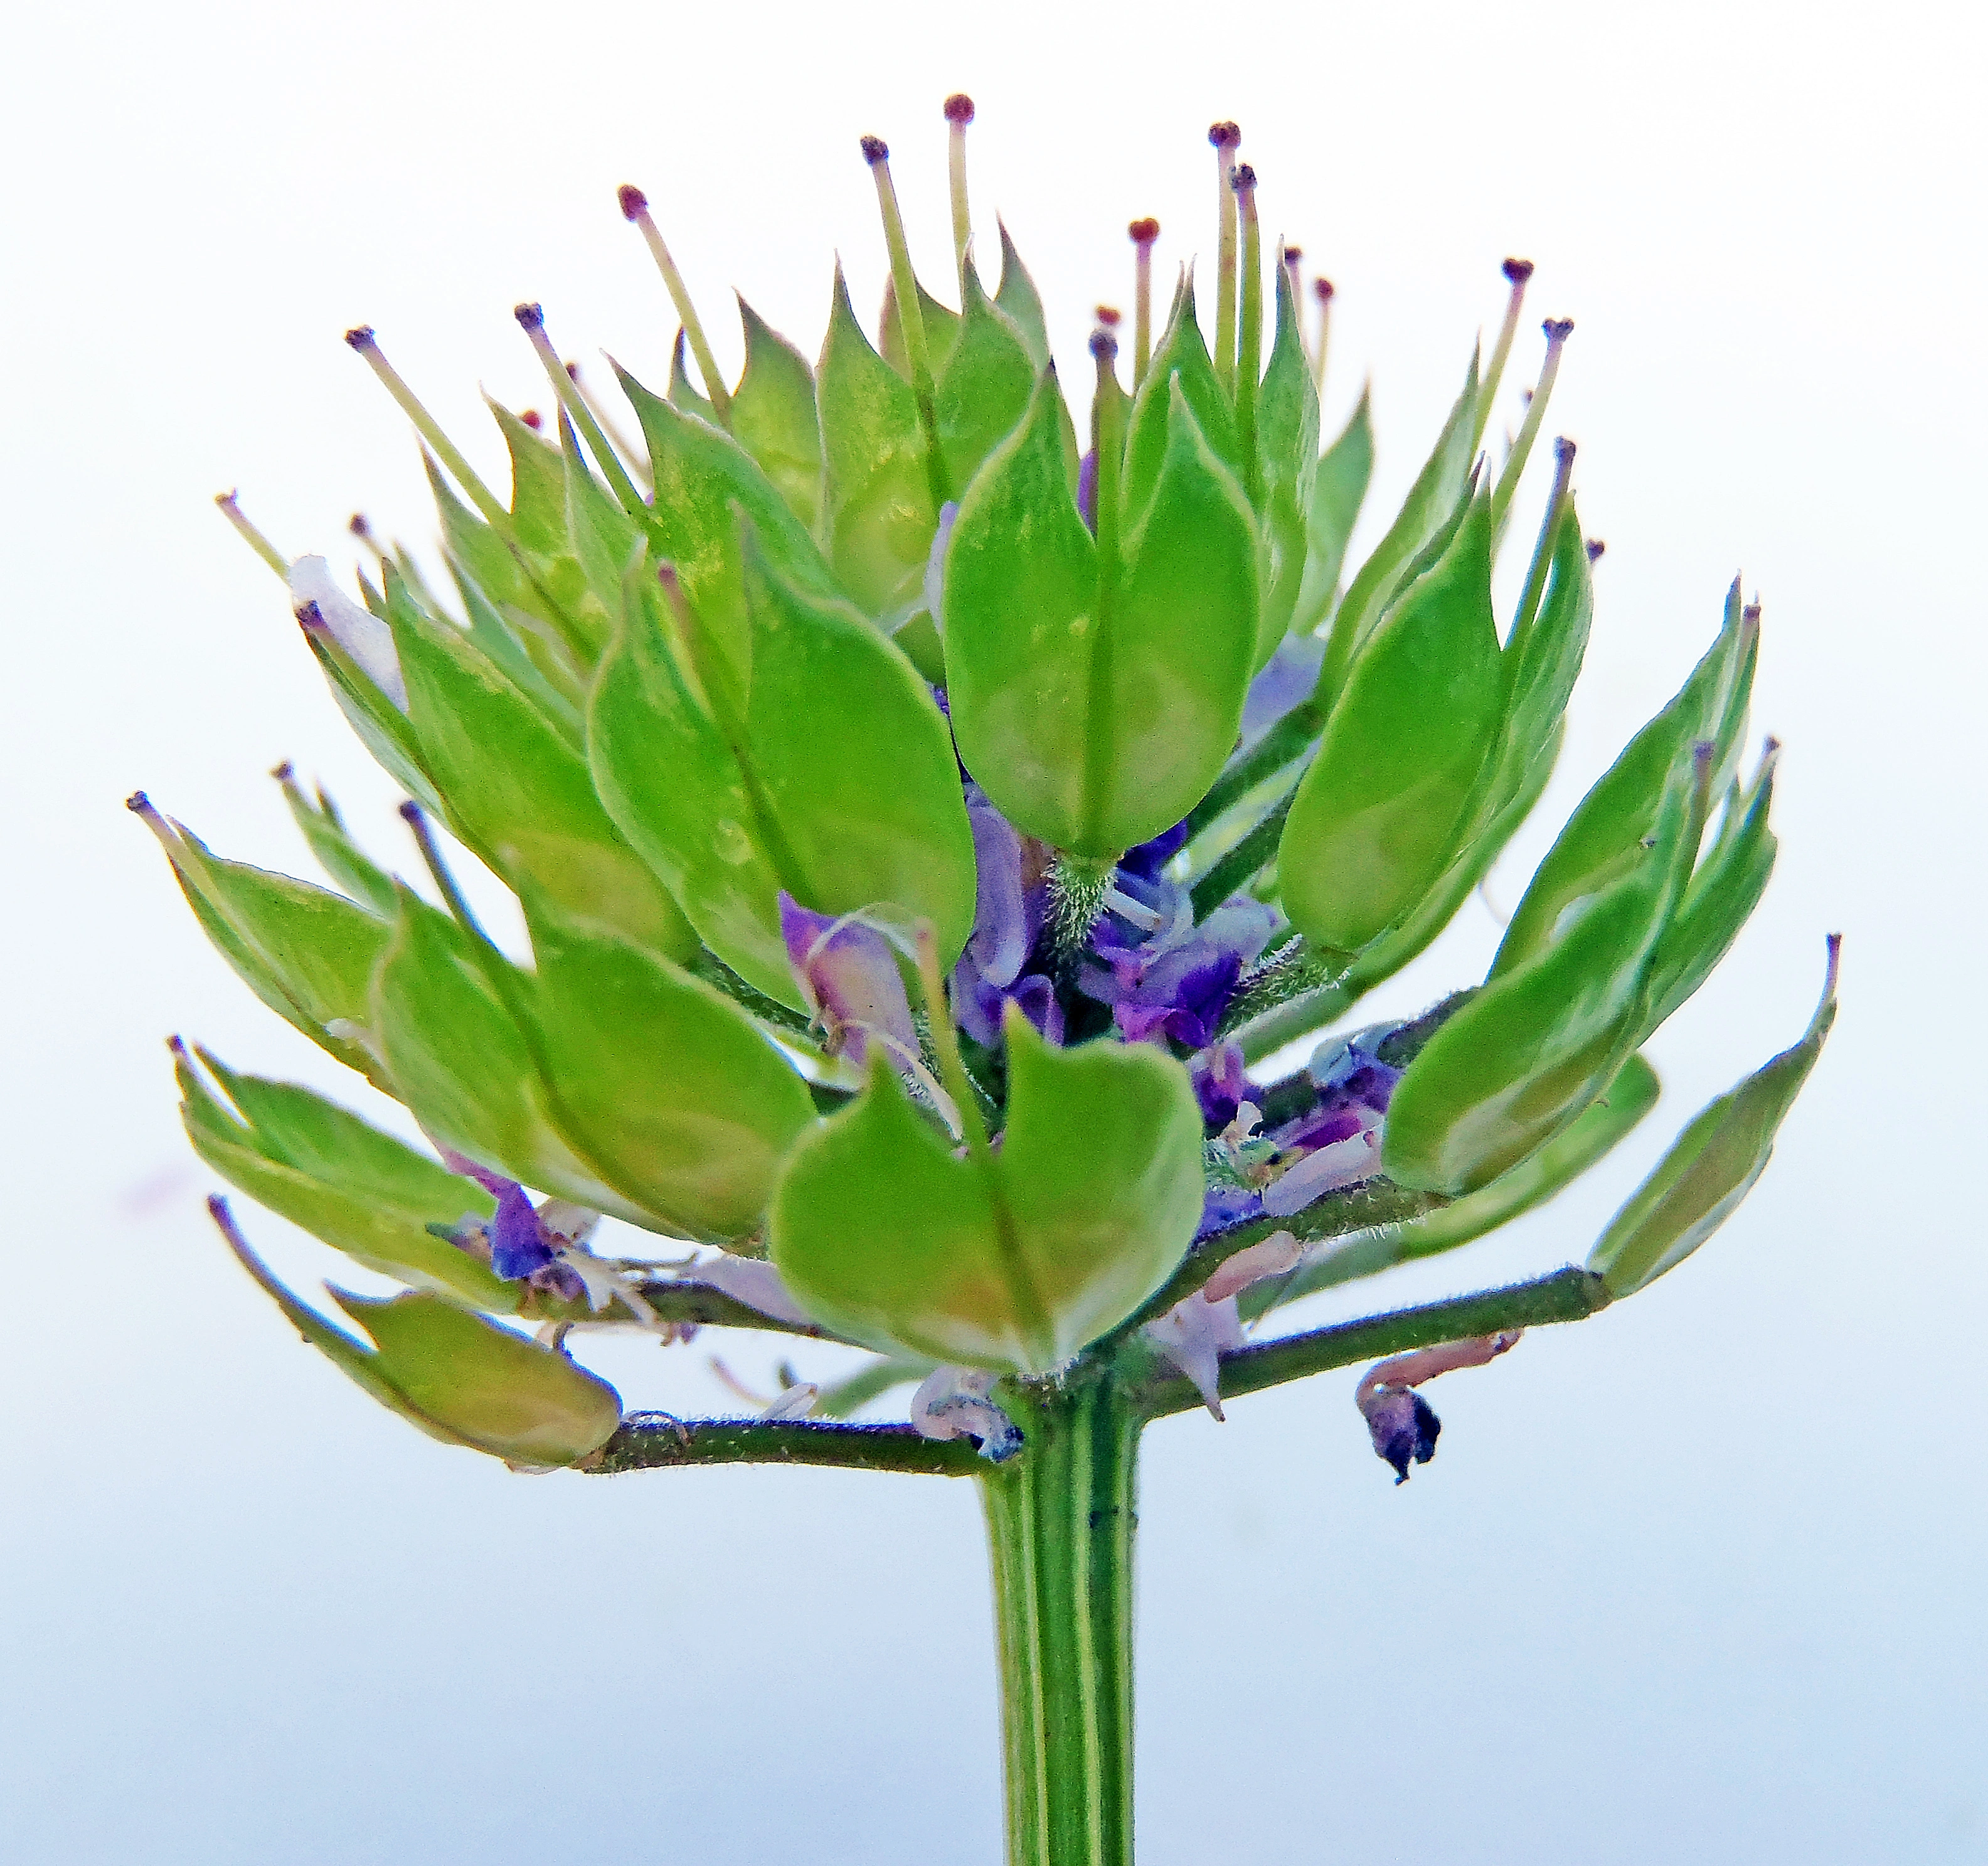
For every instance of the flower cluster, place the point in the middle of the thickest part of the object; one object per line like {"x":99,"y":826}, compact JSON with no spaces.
{"x":926,"y":819}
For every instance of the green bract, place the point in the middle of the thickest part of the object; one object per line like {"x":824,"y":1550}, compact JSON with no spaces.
{"x":922,"y":820}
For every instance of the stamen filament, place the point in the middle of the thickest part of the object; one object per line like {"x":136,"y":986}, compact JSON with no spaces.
{"x":1225,"y":137}
{"x":635,"y":207}
{"x":360,"y":529}
{"x":1108,"y":441}
{"x":959,"y":114}
{"x":624,"y":444}
{"x":1144,"y":233}
{"x":1518,"y":272}
{"x":911,"y":315}
{"x":1536,"y":572}
{"x":1322,"y":288}
{"x":230,"y":509}
{"x":362,"y":339}
{"x":1557,"y":330}
{"x":1249,"y":361}
{"x":532,"y":320}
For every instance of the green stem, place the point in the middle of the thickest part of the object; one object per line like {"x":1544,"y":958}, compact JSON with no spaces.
{"x":655,"y":1441}
{"x":1060,"y":1521}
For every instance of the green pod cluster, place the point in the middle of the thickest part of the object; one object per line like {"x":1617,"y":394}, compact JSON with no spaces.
{"x":921,"y":792}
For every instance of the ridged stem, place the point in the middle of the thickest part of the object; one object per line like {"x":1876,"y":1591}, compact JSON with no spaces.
{"x":1061,"y":1519}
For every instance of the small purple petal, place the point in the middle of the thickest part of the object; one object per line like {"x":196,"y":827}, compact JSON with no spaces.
{"x":1222,"y":1206}
{"x":1221,"y":1084}
{"x":1086,"y":489}
{"x":1037,"y":996}
{"x":1404,"y":1427}
{"x":517,"y":1246}
{"x":1149,"y":857}
{"x":1289,"y":677}
{"x":957,"y":1402}
{"x":999,"y":942}
{"x":851,"y":977}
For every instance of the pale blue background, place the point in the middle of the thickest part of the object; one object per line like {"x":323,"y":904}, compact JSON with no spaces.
{"x":1699,"y":1580}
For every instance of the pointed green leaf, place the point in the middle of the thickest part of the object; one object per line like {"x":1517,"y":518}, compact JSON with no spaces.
{"x":1180,"y":356}
{"x":704,"y":483}
{"x":877,"y":511}
{"x":1699,"y":1183}
{"x":1723,"y":895}
{"x":380,"y":726}
{"x":1532,"y":1051}
{"x":983,"y":392}
{"x":1430,"y":506}
{"x":493,"y":1390}
{"x":1543,"y":662}
{"x":605,"y":540}
{"x":515,"y":790}
{"x":1338,"y":490}
{"x":464,"y":1065}
{"x":773,"y":416}
{"x":538,"y":486}
{"x":340,"y":857}
{"x":669,"y":1085}
{"x":1017,"y":296}
{"x":1015,"y":1261}
{"x":1605,"y":835}
{"x":1287,"y":457}
{"x":835,"y":780}
{"x":1379,"y":816}
{"x":306,"y":953}
{"x":346,"y":1183}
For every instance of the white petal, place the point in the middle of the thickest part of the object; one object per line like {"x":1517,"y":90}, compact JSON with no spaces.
{"x":355,"y":628}
{"x":1194,"y":1335}
{"x":1344,"y":1162}
{"x":796,"y":1403}
{"x":953,"y":1403}
{"x":752,"y":1281}
{"x":1270,"y":1257}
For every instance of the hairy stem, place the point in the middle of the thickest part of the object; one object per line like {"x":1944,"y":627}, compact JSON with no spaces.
{"x":1570,"y":1295}
{"x":655,"y":1441}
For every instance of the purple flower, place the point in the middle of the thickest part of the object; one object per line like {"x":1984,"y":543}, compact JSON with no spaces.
{"x":1220,"y":1084}
{"x":1010,"y":902}
{"x":958,"y":1402}
{"x":1403,"y":1426}
{"x":850,"y":976}
{"x":1164,"y":976}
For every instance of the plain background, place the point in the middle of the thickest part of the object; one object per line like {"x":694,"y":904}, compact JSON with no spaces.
{"x":1698,"y":1579}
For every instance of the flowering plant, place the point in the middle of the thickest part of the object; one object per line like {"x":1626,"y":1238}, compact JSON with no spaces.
{"x":928,"y":824}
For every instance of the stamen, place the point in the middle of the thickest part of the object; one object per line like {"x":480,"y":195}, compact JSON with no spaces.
{"x":230,"y":509}
{"x":1595,"y":548}
{"x":1294,"y":272}
{"x":1225,"y":136}
{"x":635,"y":207}
{"x":1249,"y":365}
{"x":623,"y":444}
{"x":1517,"y":271}
{"x":362,"y":339}
{"x":959,"y":114}
{"x":1144,"y":233}
{"x":1535,"y":574}
{"x":1322,"y":289}
{"x":531,"y":418}
{"x":1110,"y":317}
{"x":911,"y":316}
{"x":532,"y":320}
{"x":1557,"y":330}
{"x":357,"y":526}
